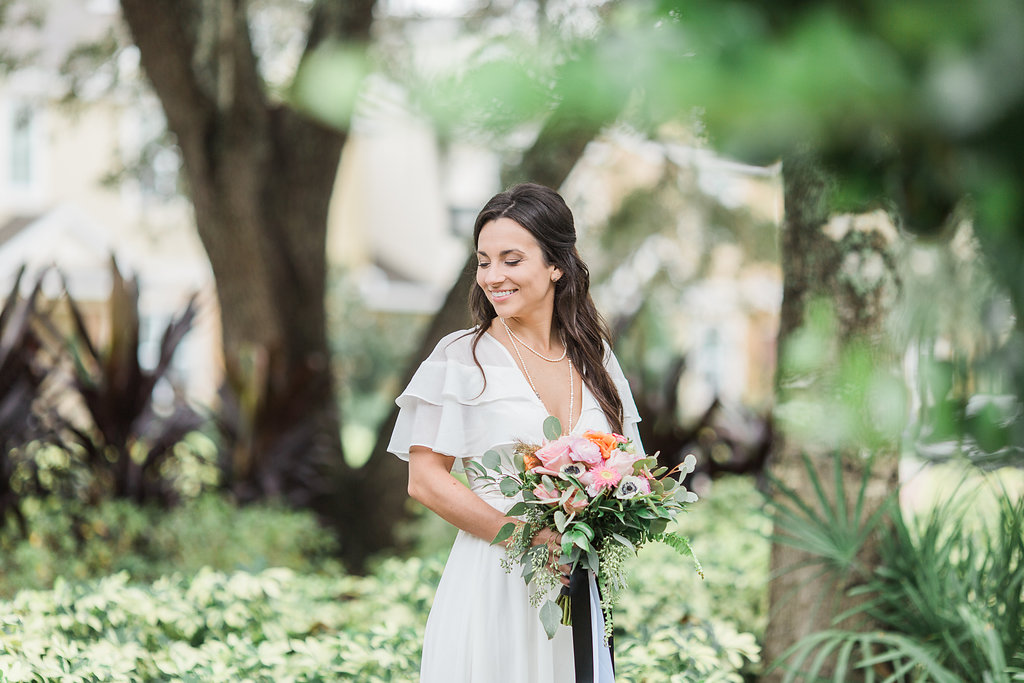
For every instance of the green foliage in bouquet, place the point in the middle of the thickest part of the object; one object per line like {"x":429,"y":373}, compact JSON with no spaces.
{"x":604,"y":515}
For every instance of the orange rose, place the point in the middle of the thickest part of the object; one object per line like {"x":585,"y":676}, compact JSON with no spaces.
{"x":606,"y":442}
{"x":530,"y":461}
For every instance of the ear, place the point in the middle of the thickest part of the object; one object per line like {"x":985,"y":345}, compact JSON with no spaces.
{"x":556,"y":275}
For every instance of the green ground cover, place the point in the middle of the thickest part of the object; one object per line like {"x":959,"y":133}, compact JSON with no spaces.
{"x":134,"y":605}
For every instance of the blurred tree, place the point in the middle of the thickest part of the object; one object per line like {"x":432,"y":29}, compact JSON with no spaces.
{"x":839,"y":403}
{"x":260,"y":174}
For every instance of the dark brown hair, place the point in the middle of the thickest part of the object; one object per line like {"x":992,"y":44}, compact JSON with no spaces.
{"x":542,"y":212}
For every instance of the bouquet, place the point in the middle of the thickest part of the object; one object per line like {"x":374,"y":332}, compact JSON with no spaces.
{"x":605,"y":499}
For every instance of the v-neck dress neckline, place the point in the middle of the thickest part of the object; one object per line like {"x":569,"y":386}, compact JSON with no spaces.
{"x":584,"y":397}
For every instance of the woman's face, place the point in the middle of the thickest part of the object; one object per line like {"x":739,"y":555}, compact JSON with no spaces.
{"x":512,"y":272}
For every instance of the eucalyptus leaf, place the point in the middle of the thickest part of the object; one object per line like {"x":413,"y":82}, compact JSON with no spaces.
{"x":669,"y":483}
{"x":509,"y":487}
{"x":519,"y":508}
{"x":560,"y":521}
{"x":517,"y":462}
{"x":592,"y":560}
{"x":550,"y":617}
{"x":504,"y":532}
{"x":658,"y":526}
{"x":552,"y":428}
{"x":492,"y":460}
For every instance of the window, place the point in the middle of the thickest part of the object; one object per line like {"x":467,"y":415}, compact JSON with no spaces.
{"x":22,"y":134}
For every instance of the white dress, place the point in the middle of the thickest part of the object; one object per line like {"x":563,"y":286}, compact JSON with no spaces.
{"x":482,"y":628}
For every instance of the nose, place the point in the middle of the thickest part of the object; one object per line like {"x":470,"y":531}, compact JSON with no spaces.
{"x":493,"y":275}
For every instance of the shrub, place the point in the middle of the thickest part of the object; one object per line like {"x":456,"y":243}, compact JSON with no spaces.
{"x":277,"y":625}
{"x":148,"y":542}
{"x":947,"y":598}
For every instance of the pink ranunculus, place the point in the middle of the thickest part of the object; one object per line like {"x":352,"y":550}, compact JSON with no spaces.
{"x":584,"y":450}
{"x":599,"y":478}
{"x":620,"y":438}
{"x":577,"y":502}
{"x":643,"y":485}
{"x":554,"y":454}
{"x":622,"y":462}
{"x":545,"y":494}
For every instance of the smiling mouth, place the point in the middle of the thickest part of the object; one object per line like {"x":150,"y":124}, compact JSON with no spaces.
{"x":502,"y":294}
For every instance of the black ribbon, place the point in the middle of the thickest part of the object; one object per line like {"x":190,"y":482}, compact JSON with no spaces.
{"x":578,"y":593}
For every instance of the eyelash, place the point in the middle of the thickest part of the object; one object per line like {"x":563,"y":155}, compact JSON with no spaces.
{"x":507,"y":263}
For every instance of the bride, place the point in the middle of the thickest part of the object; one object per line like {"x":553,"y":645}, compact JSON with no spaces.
{"x":538,"y":348}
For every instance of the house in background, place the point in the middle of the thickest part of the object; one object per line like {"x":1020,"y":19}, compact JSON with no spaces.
{"x":58,"y":212}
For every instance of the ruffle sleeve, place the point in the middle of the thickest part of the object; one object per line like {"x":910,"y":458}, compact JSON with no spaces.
{"x":447,"y":408}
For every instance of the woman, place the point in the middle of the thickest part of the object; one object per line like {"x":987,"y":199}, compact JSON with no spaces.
{"x":538,"y":348}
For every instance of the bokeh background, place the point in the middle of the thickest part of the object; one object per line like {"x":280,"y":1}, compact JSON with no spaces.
{"x":230,"y":230}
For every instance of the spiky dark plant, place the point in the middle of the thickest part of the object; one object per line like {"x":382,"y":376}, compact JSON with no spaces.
{"x":126,"y":440}
{"x":24,"y":367}
{"x":252,"y":467}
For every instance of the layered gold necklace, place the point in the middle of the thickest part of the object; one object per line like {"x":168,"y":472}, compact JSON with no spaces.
{"x":565,"y":350}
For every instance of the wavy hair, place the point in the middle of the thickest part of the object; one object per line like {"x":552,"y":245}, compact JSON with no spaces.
{"x":544,"y":214}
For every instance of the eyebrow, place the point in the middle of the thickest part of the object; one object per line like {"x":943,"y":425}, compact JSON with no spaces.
{"x":504,"y":253}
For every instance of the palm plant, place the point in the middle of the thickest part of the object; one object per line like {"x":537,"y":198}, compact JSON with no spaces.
{"x":23,"y":370}
{"x":127,"y":440}
{"x":948,"y":598}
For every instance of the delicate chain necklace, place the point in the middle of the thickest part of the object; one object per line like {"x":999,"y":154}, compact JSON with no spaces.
{"x":529,"y":379}
{"x":565,"y":347}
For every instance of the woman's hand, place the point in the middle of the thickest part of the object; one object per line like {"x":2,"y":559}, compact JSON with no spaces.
{"x":553,"y":540}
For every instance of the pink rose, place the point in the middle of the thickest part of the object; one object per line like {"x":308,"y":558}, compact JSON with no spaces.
{"x":620,"y":438}
{"x":622,"y":461}
{"x":545,"y":494}
{"x":554,"y":454}
{"x":584,"y":450}
{"x":577,"y":502}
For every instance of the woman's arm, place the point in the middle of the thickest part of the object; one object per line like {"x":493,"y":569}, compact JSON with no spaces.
{"x":431,"y":483}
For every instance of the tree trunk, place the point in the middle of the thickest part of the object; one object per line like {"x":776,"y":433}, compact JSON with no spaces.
{"x":260,"y":177}
{"x":846,"y":263}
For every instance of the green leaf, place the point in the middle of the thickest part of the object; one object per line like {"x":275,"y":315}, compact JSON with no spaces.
{"x":560,"y":521}
{"x":622,"y":539}
{"x":504,"y":532}
{"x":552,"y":428}
{"x":592,"y":560}
{"x":658,"y":526}
{"x":492,"y":460}
{"x":509,"y":487}
{"x":669,"y":483}
{"x":550,"y":617}
{"x":586,"y":529}
{"x":518,"y":509}
{"x":581,"y":541}
{"x":517,"y":461}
